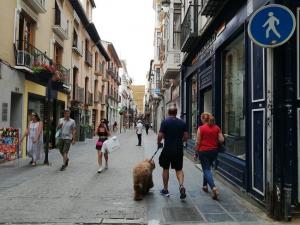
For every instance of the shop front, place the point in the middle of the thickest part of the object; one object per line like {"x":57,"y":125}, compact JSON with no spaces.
{"x":226,"y":77}
{"x":35,"y":101}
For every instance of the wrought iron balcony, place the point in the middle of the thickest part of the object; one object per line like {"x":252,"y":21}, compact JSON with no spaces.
{"x":89,"y":100}
{"x":28,"y":56}
{"x":211,"y":7}
{"x":88,"y":58}
{"x":60,"y":26}
{"x":78,"y":94}
{"x":77,"y":47}
{"x":37,"y":5}
{"x":119,"y":80}
{"x":64,"y":75}
{"x":81,"y":95}
{"x":111,"y":72}
{"x":99,"y":69}
{"x":188,"y":29}
{"x":171,"y":64}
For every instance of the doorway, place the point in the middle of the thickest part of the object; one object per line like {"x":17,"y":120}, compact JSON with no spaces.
{"x":16,"y":110}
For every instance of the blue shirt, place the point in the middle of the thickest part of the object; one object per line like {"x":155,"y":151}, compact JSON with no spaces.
{"x":173,"y":130}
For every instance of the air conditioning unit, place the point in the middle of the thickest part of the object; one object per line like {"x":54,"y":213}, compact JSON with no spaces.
{"x":24,"y":58}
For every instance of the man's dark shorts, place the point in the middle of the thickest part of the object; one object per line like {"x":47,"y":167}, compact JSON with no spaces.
{"x":173,"y":158}
{"x":64,"y":145}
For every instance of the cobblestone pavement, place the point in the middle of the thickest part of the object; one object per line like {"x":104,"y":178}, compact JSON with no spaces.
{"x":46,"y":195}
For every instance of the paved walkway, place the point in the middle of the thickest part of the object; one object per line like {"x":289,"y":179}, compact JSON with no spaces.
{"x":45,"y":195}
{"x":198,"y":208}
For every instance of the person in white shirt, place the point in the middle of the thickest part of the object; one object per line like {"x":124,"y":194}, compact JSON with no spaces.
{"x":139,"y":130}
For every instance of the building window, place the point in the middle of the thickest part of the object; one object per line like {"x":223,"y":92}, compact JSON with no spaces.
{"x":233,"y":97}
{"x":75,"y":39}
{"x":176,"y":26}
{"x":193,"y":107}
{"x":58,"y":53}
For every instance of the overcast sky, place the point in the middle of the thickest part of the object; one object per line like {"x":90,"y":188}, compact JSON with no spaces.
{"x":129,"y":25}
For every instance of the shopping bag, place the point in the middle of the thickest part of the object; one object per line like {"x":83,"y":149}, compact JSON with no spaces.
{"x":113,"y":144}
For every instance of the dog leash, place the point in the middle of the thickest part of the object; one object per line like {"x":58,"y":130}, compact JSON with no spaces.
{"x":154,"y":153}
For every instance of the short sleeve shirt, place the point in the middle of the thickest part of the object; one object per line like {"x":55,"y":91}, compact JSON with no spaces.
{"x":173,"y":130}
{"x":67,"y":128}
{"x":139,"y":128}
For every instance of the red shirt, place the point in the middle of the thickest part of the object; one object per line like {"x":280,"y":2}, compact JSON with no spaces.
{"x":209,"y":137}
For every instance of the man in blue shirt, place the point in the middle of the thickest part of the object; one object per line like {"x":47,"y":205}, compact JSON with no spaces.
{"x":174,"y":132}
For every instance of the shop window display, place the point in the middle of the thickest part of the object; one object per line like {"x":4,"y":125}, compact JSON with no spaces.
{"x":233,"y":97}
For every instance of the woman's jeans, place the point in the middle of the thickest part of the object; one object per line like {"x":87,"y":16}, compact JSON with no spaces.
{"x":206,"y":159}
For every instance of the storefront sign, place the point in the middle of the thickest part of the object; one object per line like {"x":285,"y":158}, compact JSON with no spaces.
{"x":271,"y":26}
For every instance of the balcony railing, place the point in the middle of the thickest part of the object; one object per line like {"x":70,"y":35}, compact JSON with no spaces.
{"x":188,"y":29}
{"x":88,"y":58}
{"x":81,"y":95}
{"x":37,"y":5}
{"x":60,"y":26}
{"x":89,"y":100}
{"x":171,"y":67}
{"x":99,"y":69}
{"x":27,"y":56}
{"x":77,"y":47}
{"x":78,"y":96}
{"x":111,"y":72}
{"x":119,"y":80}
{"x":64,"y":74}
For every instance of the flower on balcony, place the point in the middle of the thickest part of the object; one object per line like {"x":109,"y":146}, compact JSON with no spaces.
{"x":42,"y":67}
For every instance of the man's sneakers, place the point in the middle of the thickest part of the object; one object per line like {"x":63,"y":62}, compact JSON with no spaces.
{"x":164,"y":193}
{"x":182,"y":192}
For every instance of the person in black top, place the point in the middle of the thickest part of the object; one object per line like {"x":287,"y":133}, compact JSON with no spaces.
{"x":103,"y":134}
{"x":147,"y":126}
{"x":174,"y":132}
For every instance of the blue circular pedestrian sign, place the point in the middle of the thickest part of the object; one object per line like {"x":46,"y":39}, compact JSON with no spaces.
{"x":271,"y":25}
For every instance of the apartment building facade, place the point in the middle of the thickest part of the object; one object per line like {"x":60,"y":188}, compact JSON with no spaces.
{"x":51,"y":59}
{"x":253,"y":94}
{"x":113,"y":83}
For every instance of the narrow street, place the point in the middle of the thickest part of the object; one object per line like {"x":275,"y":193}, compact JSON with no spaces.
{"x":45,"y":195}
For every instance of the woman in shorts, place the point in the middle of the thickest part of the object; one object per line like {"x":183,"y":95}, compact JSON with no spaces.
{"x":103,"y":134}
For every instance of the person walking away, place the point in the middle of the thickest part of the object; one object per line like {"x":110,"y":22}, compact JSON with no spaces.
{"x":139,"y":130}
{"x":174,"y":131}
{"x":115,"y":126}
{"x":103,"y":134}
{"x":34,"y":134}
{"x":147,"y":126}
{"x":68,"y":133}
{"x":209,"y":135}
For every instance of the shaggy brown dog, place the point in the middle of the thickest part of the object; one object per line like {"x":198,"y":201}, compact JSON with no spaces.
{"x":142,"y":178}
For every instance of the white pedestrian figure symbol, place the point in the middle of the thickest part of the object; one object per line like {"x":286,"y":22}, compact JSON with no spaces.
{"x":272,"y":22}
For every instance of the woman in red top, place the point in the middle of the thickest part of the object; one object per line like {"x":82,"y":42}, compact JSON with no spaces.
{"x":209,"y":136}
